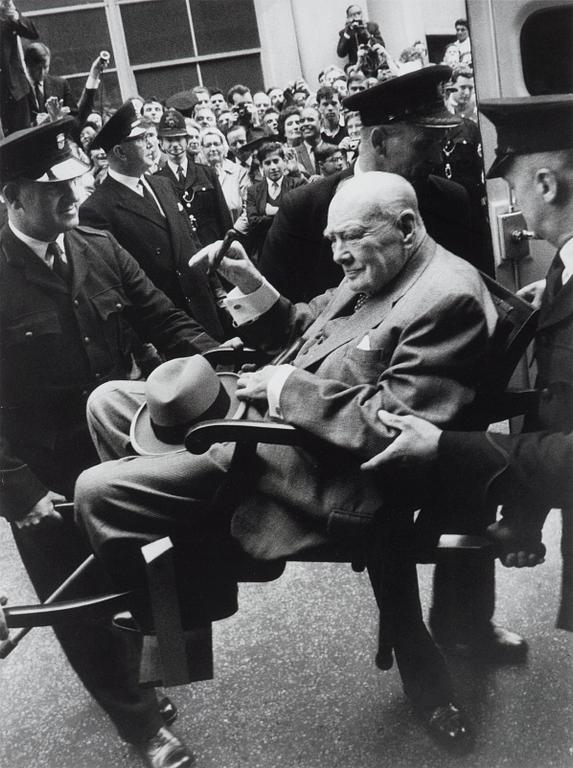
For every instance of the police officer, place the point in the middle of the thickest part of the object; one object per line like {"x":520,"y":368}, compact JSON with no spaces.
{"x":68,"y":295}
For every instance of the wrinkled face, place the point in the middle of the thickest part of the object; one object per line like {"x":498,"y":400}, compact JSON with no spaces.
{"x":205,"y":117}
{"x":174,"y":147}
{"x":341,"y":88}
{"x":47,"y":209}
{"x":310,"y":124}
{"x":333,"y":164}
{"x":213,"y":149}
{"x":462,"y":32}
{"x":465,"y":91}
{"x":152,"y":111}
{"x":193,"y":140}
{"x":237,"y":138}
{"x":217,"y":103}
{"x":370,"y":251}
{"x":292,"y":127}
{"x":273,"y":167}
{"x":262,"y":102}
{"x":330,"y":109}
{"x":87,"y":136}
{"x":271,"y":122}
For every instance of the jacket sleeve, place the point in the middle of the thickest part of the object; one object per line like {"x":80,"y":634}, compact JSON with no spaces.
{"x":154,"y":316}
{"x":254,"y":215}
{"x":343,"y":41}
{"x":23,"y":27}
{"x":530,"y":469}
{"x":20,"y":489}
{"x":222,"y":213}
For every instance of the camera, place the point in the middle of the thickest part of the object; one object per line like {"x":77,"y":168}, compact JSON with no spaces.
{"x":244,"y":115}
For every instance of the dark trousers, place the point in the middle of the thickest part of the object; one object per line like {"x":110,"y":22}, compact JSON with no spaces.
{"x":14,"y":114}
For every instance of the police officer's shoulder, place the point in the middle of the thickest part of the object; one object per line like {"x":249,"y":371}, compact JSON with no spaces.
{"x":93,"y":232}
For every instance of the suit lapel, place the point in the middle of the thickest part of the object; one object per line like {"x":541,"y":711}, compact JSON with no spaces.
{"x":335,"y":327}
{"x":134,"y":203}
{"x":78,"y":258}
{"x":173,"y":221}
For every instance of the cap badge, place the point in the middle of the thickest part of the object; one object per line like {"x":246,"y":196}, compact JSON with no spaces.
{"x":61,"y":140}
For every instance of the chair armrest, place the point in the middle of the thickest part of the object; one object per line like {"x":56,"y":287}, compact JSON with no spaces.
{"x":202,"y":436}
{"x":235,"y":357}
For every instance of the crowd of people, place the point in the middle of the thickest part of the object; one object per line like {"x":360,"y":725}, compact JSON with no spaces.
{"x":358,"y":219}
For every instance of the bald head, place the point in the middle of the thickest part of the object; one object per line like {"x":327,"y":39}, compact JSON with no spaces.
{"x":374,"y":226}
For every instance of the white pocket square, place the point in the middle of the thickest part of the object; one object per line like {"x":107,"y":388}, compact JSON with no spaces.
{"x":365,"y":343}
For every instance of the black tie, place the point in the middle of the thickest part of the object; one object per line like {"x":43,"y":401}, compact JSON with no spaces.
{"x":180,"y":175}
{"x":39,"y":97}
{"x":59,"y":266}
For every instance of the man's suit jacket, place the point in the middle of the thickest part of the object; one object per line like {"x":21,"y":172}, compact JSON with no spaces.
{"x":53,"y":86}
{"x":416,"y":347}
{"x":257,"y":198}
{"x":202,"y":197}
{"x":297,"y":259}
{"x":11,"y":68}
{"x":349,"y":46}
{"x":162,"y":245}
{"x":57,"y":343}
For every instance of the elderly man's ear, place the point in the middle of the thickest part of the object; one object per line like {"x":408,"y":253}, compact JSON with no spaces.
{"x":407,"y":225}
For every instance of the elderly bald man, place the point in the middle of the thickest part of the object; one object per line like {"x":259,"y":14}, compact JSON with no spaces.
{"x":406,"y":330}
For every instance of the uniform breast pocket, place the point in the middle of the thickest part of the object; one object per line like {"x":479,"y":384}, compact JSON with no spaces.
{"x":32,"y":348}
{"x":111,"y":306}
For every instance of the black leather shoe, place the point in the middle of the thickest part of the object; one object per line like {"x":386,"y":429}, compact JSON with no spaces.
{"x":448,"y":727}
{"x":499,"y":646}
{"x":167,"y":710}
{"x":165,"y":750}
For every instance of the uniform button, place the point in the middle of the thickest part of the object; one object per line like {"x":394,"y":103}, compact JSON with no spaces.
{"x":87,"y":339}
{"x":118,"y":305}
{"x":85,"y":393}
{"x":97,"y":375}
{"x":236,"y":306}
{"x":158,"y":251}
{"x":76,"y":303}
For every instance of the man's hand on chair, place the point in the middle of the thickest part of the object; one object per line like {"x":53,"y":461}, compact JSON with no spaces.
{"x":253,"y":386}
{"x":43,"y":512}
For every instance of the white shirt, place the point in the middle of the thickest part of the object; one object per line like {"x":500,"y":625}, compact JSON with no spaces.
{"x":135,"y":183}
{"x":566,"y":256}
{"x":175,"y":168}
{"x":39,"y":247}
{"x":274,"y":191}
{"x":245,"y":308}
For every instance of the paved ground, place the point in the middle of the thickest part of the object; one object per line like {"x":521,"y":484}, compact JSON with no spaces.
{"x":296,"y":686}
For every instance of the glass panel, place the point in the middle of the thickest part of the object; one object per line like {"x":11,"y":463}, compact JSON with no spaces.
{"x":546,"y":45}
{"x":157,"y":31}
{"x":164,"y":82}
{"x":223,"y":73}
{"x":41,"y":5}
{"x":108,"y":95}
{"x":224,"y":25}
{"x":75,"y":38}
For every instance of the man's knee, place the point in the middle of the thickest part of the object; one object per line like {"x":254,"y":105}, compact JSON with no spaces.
{"x":109,"y":397}
{"x":90,"y":491}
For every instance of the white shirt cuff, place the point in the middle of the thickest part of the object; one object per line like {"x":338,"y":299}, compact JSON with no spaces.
{"x":244,"y":308}
{"x":275,"y":388}
{"x":92,"y":82}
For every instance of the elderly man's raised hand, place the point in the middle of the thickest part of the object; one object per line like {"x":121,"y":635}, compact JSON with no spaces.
{"x":235,"y":266}
{"x":416,"y":441}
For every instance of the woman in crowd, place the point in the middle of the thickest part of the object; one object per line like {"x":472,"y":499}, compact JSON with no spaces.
{"x":234,"y":179}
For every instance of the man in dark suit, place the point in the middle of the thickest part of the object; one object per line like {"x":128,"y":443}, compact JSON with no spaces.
{"x":43,"y":85}
{"x":197,"y":185}
{"x":264,"y":197}
{"x":68,"y":297}
{"x":144,"y":214}
{"x":408,"y":327}
{"x":403,"y":119}
{"x":14,"y":86}
{"x":356,"y":33}
{"x":531,"y":472}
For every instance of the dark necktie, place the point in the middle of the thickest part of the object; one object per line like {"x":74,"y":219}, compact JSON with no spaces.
{"x":39,"y":97}
{"x":59,"y":266}
{"x":180,"y":175}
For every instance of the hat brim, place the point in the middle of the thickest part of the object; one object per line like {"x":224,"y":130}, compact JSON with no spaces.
{"x":144,"y":440}
{"x":68,"y":169}
{"x":500,"y":166}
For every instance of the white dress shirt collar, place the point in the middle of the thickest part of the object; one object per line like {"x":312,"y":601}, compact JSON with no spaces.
{"x":566,"y":256}
{"x":131,"y":182}
{"x":175,"y":168}
{"x":39,"y":247}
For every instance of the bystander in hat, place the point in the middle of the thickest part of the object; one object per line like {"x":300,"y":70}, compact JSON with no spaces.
{"x":125,"y":124}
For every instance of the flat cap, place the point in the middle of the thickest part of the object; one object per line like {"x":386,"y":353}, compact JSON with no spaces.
{"x":415,"y":98}
{"x":124,"y":124}
{"x":172,"y":124}
{"x":184,"y":102}
{"x":42,"y":153}
{"x":526,"y":125}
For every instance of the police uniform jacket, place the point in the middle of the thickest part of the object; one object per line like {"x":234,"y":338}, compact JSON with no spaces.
{"x":202,"y":198}
{"x":162,"y":245}
{"x":58,"y":342}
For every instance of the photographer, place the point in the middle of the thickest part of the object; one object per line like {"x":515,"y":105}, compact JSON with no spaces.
{"x":356,"y":32}
{"x":240,"y":100}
